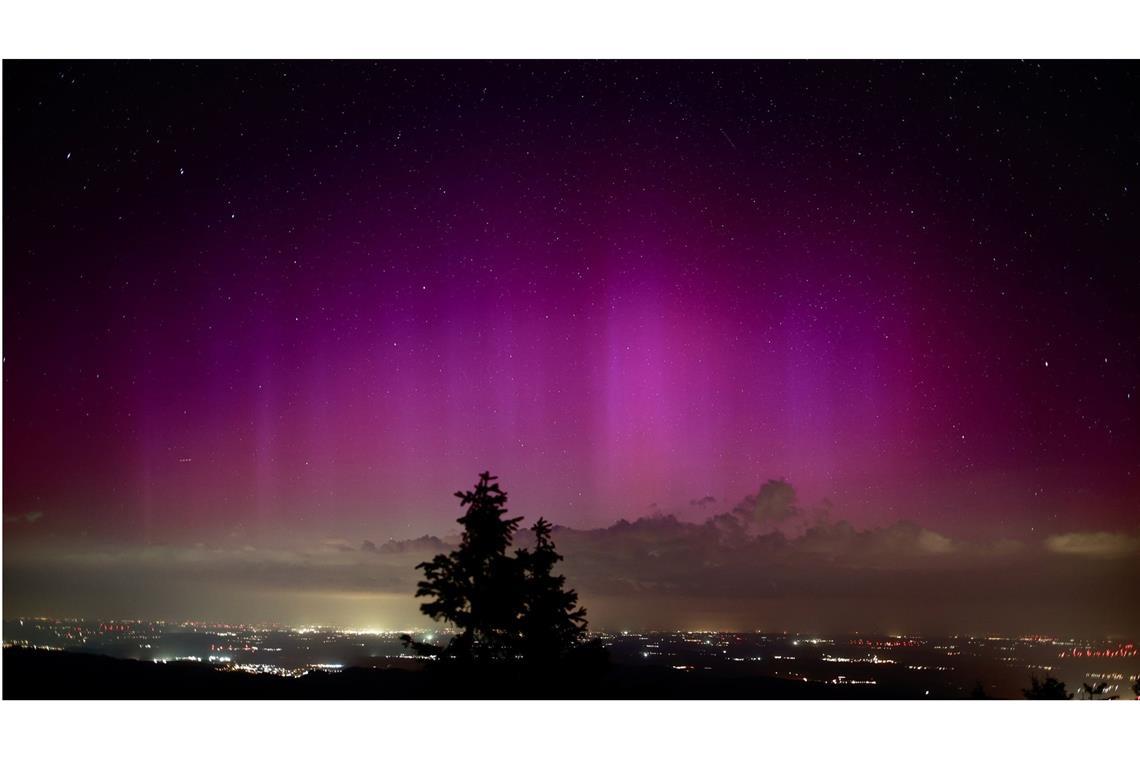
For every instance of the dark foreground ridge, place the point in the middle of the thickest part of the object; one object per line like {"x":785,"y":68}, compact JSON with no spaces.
{"x":39,"y":674}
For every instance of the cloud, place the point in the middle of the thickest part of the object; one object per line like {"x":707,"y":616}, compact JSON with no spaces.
{"x":1101,"y":545}
{"x":735,"y":565}
{"x":422,"y":545}
{"x":773,"y":505}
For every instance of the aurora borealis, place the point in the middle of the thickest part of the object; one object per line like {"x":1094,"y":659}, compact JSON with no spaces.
{"x":257,"y":304}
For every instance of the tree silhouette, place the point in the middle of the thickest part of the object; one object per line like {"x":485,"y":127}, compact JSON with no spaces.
{"x":1050,"y":688}
{"x":552,"y":624}
{"x":1092,"y":692}
{"x":505,"y":607}
{"x":979,"y":691}
{"x":1136,"y":688}
{"x":476,"y":587}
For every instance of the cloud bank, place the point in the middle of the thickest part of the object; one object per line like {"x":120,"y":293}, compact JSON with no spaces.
{"x":763,"y":563}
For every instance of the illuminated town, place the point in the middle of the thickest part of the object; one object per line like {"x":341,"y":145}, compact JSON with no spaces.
{"x":861,"y":664}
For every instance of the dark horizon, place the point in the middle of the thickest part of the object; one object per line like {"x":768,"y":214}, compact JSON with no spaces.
{"x":122,"y":659}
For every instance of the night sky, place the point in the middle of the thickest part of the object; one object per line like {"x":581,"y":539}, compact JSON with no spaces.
{"x":248,"y":304}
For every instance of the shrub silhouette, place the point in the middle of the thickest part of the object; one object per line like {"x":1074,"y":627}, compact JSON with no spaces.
{"x":1050,"y":688}
{"x":1092,"y":691}
{"x":506,"y":607}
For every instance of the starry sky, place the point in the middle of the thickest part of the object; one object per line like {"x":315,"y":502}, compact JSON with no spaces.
{"x":266,"y":299}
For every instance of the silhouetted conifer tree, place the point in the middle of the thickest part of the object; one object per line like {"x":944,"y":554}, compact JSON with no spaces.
{"x":478,"y":587}
{"x":505,"y":607}
{"x":552,"y":624}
